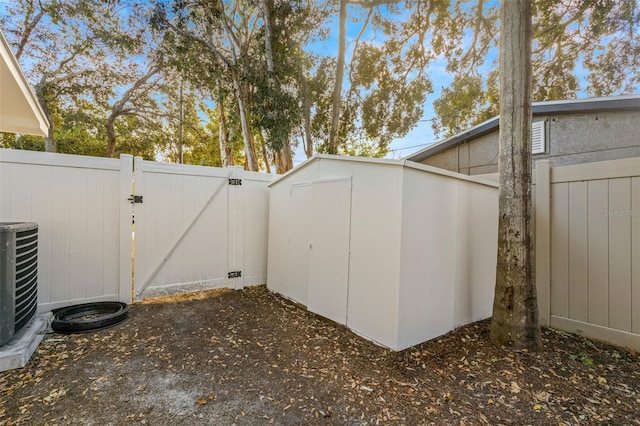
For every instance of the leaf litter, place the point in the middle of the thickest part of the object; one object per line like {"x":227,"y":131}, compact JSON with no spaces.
{"x":251,"y":357}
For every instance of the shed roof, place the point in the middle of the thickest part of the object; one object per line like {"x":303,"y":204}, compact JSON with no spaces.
{"x":20,"y":111}
{"x":571,"y":106}
{"x":383,"y":161}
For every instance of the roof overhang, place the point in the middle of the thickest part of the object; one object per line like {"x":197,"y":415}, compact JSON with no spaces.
{"x":20,"y":111}
{"x":570,"y":106}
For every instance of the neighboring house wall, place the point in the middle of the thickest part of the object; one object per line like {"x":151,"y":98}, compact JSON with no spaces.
{"x":570,"y":139}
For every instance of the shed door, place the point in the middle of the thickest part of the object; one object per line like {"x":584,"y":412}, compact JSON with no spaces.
{"x":329,"y":249}
{"x":299,"y":211}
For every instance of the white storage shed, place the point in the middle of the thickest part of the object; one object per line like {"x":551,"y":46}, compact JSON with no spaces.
{"x":397,"y":251}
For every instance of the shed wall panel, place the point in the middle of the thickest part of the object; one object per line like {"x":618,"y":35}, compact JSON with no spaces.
{"x":375,"y":252}
{"x":299,"y":236}
{"x":281,"y":214}
{"x":477,"y":252}
{"x":428,"y":257}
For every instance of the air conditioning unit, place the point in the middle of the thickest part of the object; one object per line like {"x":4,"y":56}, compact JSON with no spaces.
{"x":18,"y":276}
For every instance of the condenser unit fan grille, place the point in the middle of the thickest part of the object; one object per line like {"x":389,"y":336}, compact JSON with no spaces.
{"x":18,"y":276}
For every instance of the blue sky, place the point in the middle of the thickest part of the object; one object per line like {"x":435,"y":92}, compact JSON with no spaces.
{"x":422,"y":135}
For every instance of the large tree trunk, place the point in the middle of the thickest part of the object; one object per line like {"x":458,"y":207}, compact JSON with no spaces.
{"x":249,"y":145}
{"x":288,"y":156}
{"x":285,"y":151}
{"x":337,"y":88}
{"x":306,"y":113}
{"x":226,"y":152}
{"x":50,"y":144}
{"x":283,"y":160}
{"x":280,"y":162}
{"x":515,"y":311}
{"x":263,"y":150}
{"x":111,"y":136}
{"x":265,"y":8}
{"x":238,"y":80}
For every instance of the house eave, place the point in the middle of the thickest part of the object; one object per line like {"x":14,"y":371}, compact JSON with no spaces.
{"x":20,"y":111}
{"x":572,"y":106}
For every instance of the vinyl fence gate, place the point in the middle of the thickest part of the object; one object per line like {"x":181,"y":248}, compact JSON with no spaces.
{"x":198,"y":228}
{"x":195,"y":227}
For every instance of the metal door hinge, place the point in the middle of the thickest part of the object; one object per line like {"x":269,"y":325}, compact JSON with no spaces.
{"x":135,"y":199}
{"x":235,"y":181}
{"x":235,"y":274}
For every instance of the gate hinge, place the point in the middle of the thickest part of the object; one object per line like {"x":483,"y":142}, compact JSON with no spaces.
{"x":235,"y":181}
{"x":235,"y":274}
{"x":135,"y":199}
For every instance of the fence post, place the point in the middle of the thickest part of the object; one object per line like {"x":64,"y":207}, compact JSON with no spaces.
{"x":125,"y":289}
{"x":543,"y":239}
{"x":236,"y":229}
{"x":138,"y":189}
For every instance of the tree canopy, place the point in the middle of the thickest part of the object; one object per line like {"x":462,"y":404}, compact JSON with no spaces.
{"x":587,"y":47}
{"x":263,"y":77}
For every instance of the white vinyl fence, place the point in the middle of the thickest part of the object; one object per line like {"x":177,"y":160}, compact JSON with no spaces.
{"x":191,"y":230}
{"x":80,"y":204}
{"x":198,"y":228}
{"x":201,"y":227}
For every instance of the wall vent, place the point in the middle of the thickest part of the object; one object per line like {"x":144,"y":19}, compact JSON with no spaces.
{"x":538,"y":141}
{"x":18,"y":276}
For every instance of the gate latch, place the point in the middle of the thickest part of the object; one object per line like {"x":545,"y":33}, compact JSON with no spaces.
{"x":135,"y":199}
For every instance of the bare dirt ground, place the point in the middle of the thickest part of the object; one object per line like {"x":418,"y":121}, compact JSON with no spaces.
{"x":249,"y":357}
